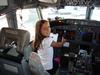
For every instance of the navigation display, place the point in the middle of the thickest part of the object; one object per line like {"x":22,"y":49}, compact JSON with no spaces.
{"x":98,"y":38}
{"x":87,"y":36}
{"x":70,"y":34}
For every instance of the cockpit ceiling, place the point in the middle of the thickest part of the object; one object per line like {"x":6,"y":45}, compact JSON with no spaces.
{"x":57,"y":3}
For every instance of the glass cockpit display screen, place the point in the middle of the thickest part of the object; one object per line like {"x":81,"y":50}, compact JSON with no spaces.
{"x":86,"y":33}
{"x":87,"y":36}
{"x":67,"y":34}
{"x":70,"y":34}
{"x":98,"y":38}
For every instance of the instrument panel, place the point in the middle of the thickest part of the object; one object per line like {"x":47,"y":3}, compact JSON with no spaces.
{"x":82,"y":32}
{"x":83,"y":37}
{"x":77,"y":28}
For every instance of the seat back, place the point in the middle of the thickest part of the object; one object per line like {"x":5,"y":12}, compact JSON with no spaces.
{"x":16,"y":37}
{"x":35,"y":65}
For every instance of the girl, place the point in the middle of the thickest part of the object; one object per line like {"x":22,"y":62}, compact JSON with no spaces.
{"x":43,"y":44}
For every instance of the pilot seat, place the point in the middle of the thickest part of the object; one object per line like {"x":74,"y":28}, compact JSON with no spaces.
{"x":12,"y":43}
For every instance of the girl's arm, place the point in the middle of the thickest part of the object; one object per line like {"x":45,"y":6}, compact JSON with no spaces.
{"x":58,"y":44}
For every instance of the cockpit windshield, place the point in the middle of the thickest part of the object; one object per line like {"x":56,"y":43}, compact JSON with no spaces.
{"x":3,"y":21}
{"x":68,"y":12}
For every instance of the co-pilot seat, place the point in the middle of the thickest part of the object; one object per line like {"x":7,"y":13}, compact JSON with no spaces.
{"x":12,"y":43}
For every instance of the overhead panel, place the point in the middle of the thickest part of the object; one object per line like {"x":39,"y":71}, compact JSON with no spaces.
{"x":76,"y":2}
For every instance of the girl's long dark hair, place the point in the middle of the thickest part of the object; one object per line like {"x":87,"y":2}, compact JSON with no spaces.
{"x":38,"y":36}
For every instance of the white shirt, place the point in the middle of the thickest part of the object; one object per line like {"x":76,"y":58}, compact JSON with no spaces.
{"x":46,"y":53}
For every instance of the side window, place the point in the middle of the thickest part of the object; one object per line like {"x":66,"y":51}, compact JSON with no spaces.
{"x":3,"y":21}
{"x":96,"y":14}
{"x":27,"y":19}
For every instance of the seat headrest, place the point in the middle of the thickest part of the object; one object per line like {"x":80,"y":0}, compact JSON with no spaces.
{"x":19,"y":37}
